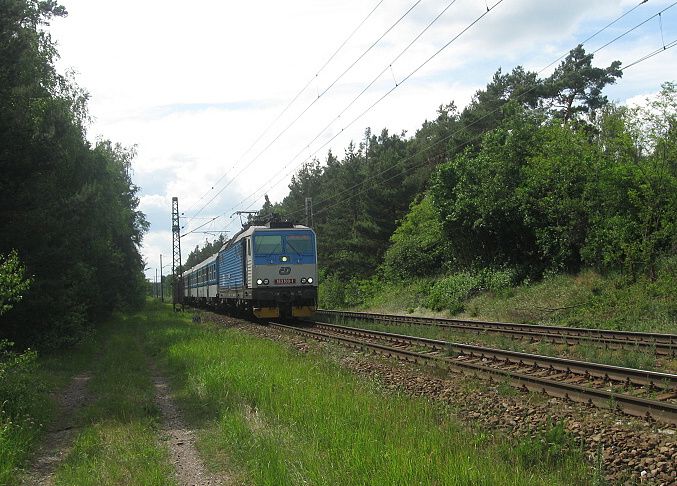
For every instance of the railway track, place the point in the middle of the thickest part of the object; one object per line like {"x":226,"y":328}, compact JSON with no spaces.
{"x":635,"y":392}
{"x":662,"y":344}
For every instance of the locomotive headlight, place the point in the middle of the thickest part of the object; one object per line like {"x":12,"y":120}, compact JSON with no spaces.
{"x":265,"y":281}
{"x":303,"y":280}
{"x":259,"y":281}
{"x":284,"y":258}
{"x":310,"y":280}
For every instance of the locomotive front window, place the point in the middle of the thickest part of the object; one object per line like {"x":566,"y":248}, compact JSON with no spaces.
{"x":300,"y":243}
{"x":267,"y":244}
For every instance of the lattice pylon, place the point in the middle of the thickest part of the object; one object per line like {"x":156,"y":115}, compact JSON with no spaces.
{"x":177,"y":281}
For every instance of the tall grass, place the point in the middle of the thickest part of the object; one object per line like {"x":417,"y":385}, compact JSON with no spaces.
{"x":587,"y":299}
{"x":290,"y":419}
{"x":22,"y":400}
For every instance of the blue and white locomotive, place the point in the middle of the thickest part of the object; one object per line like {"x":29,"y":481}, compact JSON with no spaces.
{"x":269,"y":271}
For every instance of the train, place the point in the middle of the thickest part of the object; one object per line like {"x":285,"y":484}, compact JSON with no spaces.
{"x":269,"y":271}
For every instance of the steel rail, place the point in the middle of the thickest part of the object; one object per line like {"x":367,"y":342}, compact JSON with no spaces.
{"x":660,"y":410}
{"x":618,"y":374}
{"x":665,"y":344}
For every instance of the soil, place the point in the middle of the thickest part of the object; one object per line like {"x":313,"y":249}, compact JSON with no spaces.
{"x":180,"y":440}
{"x":58,"y":439}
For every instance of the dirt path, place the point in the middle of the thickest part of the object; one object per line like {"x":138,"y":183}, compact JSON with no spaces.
{"x":190,"y":470}
{"x":59,"y":439}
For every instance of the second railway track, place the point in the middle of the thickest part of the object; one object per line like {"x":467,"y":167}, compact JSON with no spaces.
{"x":663,"y":344}
{"x":635,"y":392}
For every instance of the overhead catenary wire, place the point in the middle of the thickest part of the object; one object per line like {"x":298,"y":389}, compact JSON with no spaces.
{"x":305,"y":110}
{"x":667,"y":46}
{"x":494,"y":111}
{"x":658,"y":14}
{"x":446,"y":138}
{"x":290,"y":103}
{"x":390,"y":91}
{"x":397,"y":85}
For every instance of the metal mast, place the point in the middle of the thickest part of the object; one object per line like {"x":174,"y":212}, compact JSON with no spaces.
{"x":177,"y":281}
{"x":309,"y":212}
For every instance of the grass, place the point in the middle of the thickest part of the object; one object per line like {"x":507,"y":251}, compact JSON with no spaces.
{"x":273,"y":416}
{"x":119,"y":440}
{"x":285,"y":418}
{"x":587,"y":299}
{"x":20,"y":415}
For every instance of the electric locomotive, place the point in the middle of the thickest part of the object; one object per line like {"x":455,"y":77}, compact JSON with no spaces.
{"x":269,"y":271}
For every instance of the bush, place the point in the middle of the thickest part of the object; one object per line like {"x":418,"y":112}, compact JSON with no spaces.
{"x":337,"y":293}
{"x":331,"y":292}
{"x":451,"y":292}
{"x":418,"y":246}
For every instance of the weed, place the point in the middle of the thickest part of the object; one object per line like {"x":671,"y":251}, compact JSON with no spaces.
{"x":505,"y":389}
{"x":553,"y":446}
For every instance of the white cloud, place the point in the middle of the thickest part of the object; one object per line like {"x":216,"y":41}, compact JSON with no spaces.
{"x":193,"y":85}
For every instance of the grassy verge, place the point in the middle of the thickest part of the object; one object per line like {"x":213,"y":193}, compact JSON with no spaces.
{"x":587,"y":299}
{"x":118,"y":443}
{"x":20,"y":411}
{"x":26,"y":380}
{"x":286,"y":418}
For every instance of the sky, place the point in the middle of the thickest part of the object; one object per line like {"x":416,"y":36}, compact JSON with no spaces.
{"x":202,"y":89}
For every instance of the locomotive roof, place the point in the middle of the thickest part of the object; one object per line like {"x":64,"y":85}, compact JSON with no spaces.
{"x":252,"y":229}
{"x":248,"y":231}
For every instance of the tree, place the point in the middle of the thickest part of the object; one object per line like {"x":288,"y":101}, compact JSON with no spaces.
{"x":69,"y":209}
{"x":13,"y":281}
{"x":576,"y":86}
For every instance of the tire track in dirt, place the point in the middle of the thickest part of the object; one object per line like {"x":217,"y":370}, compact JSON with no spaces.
{"x":189,"y":468}
{"x":58,"y":440}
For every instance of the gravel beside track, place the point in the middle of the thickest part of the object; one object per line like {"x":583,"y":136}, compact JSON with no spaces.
{"x":631,"y":450}
{"x":636,"y":392}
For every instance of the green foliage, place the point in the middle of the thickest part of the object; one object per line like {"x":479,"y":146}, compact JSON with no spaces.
{"x":450,"y":293}
{"x":20,"y":408}
{"x":546,"y":196}
{"x":634,"y":200}
{"x":475,"y":195}
{"x":69,"y":209}
{"x":13,"y":281}
{"x":331,"y":292}
{"x":418,"y":245}
{"x":336,"y":293}
{"x":553,"y":194}
{"x":576,"y":86}
{"x":17,"y":386}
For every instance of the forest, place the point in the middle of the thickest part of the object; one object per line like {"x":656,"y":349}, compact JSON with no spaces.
{"x":535,"y":176}
{"x":69,"y":226}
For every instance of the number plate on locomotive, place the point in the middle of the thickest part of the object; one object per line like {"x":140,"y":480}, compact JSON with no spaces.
{"x":284,"y":281}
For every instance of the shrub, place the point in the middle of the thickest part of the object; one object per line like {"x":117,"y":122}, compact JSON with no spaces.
{"x":451,"y":292}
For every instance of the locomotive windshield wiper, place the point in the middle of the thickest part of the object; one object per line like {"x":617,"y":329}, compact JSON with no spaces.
{"x":274,"y":250}
{"x":271,"y":252}
{"x":292,"y":247}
